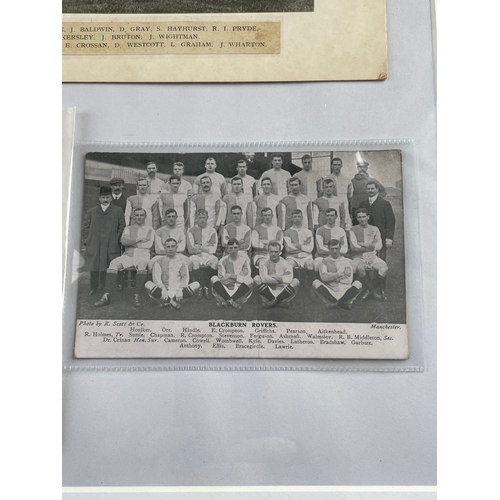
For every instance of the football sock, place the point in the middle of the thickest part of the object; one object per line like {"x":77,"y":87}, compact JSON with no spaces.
{"x":265,"y":292}
{"x":241,"y":292}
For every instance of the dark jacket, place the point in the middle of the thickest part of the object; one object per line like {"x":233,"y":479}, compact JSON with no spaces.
{"x":381,"y":216}
{"x":101,"y":235}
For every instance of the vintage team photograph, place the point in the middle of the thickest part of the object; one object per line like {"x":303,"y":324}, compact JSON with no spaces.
{"x":184,"y":6}
{"x":299,"y":237}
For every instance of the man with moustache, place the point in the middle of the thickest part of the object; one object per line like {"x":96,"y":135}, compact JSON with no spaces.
{"x":155,"y":184}
{"x":119,"y":199}
{"x":207,"y":200}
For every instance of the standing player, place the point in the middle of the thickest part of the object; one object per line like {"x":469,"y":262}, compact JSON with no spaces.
{"x":265,"y":200}
{"x":137,"y":239}
{"x":208,"y":201}
{"x":238,"y":231}
{"x":279,"y":177}
{"x":170,"y":279}
{"x":381,"y":216}
{"x":335,"y":286}
{"x":185,"y":187}
{"x":174,"y":199}
{"x":309,"y":179}
{"x":237,"y":197}
{"x":299,"y":244}
{"x":233,"y":284}
{"x":330,"y":231}
{"x":275,"y":282}
{"x":119,"y":199}
{"x":167,"y":232}
{"x":155,"y":184}
{"x":248,"y":180}
{"x":218,"y":180}
{"x":143,"y":200}
{"x":102,"y":229}
{"x":365,"y":242}
{"x":327,"y":201}
{"x":295,"y":201}
{"x":343,"y":186}
{"x":263,"y":234}
{"x":201,"y":243}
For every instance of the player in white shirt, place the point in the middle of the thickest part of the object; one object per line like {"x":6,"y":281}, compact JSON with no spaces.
{"x":176,"y":200}
{"x":237,"y":197}
{"x":218,"y":180}
{"x":233,"y":284}
{"x":185,"y":187}
{"x":170,"y":285}
{"x":371,"y":270}
{"x":275,"y":282}
{"x":155,"y":184}
{"x":279,"y":177}
{"x":263,"y":234}
{"x":299,"y":243}
{"x":335,"y":286}
{"x":309,"y":178}
{"x":137,"y":239}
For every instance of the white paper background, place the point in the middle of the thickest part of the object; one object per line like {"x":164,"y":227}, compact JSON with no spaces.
{"x":227,"y":428}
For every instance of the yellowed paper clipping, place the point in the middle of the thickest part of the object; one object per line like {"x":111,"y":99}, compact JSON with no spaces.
{"x":339,"y":40}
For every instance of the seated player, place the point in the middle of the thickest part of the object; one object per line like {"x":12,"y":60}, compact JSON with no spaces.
{"x":335,"y":286}
{"x":168,"y":231}
{"x":238,"y":231}
{"x":233,"y":284}
{"x":370,"y":270}
{"x":170,"y":279}
{"x":264,"y":233}
{"x":330,"y":231}
{"x":265,"y":200}
{"x":201,"y":241}
{"x":299,"y":244}
{"x":137,"y":239}
{"x":275,"y":282}
{"x":174,"y":199}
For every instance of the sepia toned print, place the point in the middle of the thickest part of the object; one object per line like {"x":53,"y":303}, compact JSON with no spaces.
{"x":297,"y":254}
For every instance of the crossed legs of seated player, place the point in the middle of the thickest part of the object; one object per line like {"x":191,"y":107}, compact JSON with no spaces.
{"x":235,"y":297}
{"x":303,"y":262}
{"x":342,"y":297}
{"x":117,"y":265}
{"x":372,"y":275}
{"x":280,"y":296}
{"x":207,"y":264}
{"x":174,"y":298}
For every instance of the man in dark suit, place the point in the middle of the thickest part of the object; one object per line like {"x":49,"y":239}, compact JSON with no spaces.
{"x":119,"y":199}
{"x":381,"y":216}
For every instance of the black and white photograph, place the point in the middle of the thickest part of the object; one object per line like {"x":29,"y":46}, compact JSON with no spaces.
{"x":288,"y":254}
{"x":185,"y":6}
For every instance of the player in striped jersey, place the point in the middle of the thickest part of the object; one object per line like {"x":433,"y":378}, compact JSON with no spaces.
{"x":335,"y":286}
{"x":265,"y":200}
{"x":218,"y":180}
{"x":208,"y":201}
{"x":174,"y":199}
{"x":137,"y":239}
{"x":168,"y":231}
{"x":309,"y":179}
{"x":233,"y":284}
{"x":201,"y":243}
{"x":371,"y":270}
{"x":275,"y":282}
{"x":237,"y":197}
{"x":238,"y":231}
{"x":295,"y":201}
{"x":326,"y":233}
{"x":170,"y":285}
{"x":299,"y":243}
{"x":263,"y":234}
{"x":329,"y":200}
{"x":149,"y":202}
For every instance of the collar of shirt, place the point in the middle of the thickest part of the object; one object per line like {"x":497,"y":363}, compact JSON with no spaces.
{"x":104,"y":207}
{"x":117,"y":196}
{"x":371,"y":200}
